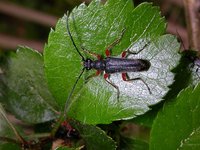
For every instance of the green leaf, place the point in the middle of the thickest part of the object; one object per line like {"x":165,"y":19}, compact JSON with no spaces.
{"x":195,"y":76}
{"x":7,"y":130}
{"x":183,"y":78}
{"x":193,"y":67}
{"x":95,"y":27}
{"x":133,"y":144}
{"x":95,"y":138}
{"x":27,"y":95}
{"x":9,"y":146}
{"x":65,"y":148}
{"x":145,"y":119}
{"x":177,"y":125}
{"x":192,"y":143}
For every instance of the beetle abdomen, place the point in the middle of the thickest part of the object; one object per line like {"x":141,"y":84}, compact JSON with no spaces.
{"x":114,"y":65}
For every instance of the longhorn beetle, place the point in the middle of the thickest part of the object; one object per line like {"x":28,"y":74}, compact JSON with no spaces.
{"x":109,"y":64}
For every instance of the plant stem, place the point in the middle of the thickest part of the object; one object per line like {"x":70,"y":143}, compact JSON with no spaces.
{"x":192,"y":12}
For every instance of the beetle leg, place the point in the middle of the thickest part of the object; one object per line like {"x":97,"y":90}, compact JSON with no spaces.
{"x":123,"y":54}
{"x":91,"y":53}
{"x":126,"y":78}
{"x":135,"y":53}
{"x":108,"y":49}
{"x":106,"y":77}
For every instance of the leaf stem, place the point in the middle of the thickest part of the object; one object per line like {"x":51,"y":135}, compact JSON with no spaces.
{"x":19,"y":137}
{"x":192,"y":12}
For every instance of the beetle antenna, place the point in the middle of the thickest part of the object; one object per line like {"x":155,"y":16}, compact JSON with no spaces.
{"x":68,"y":103}
{"x":68,"y":31}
